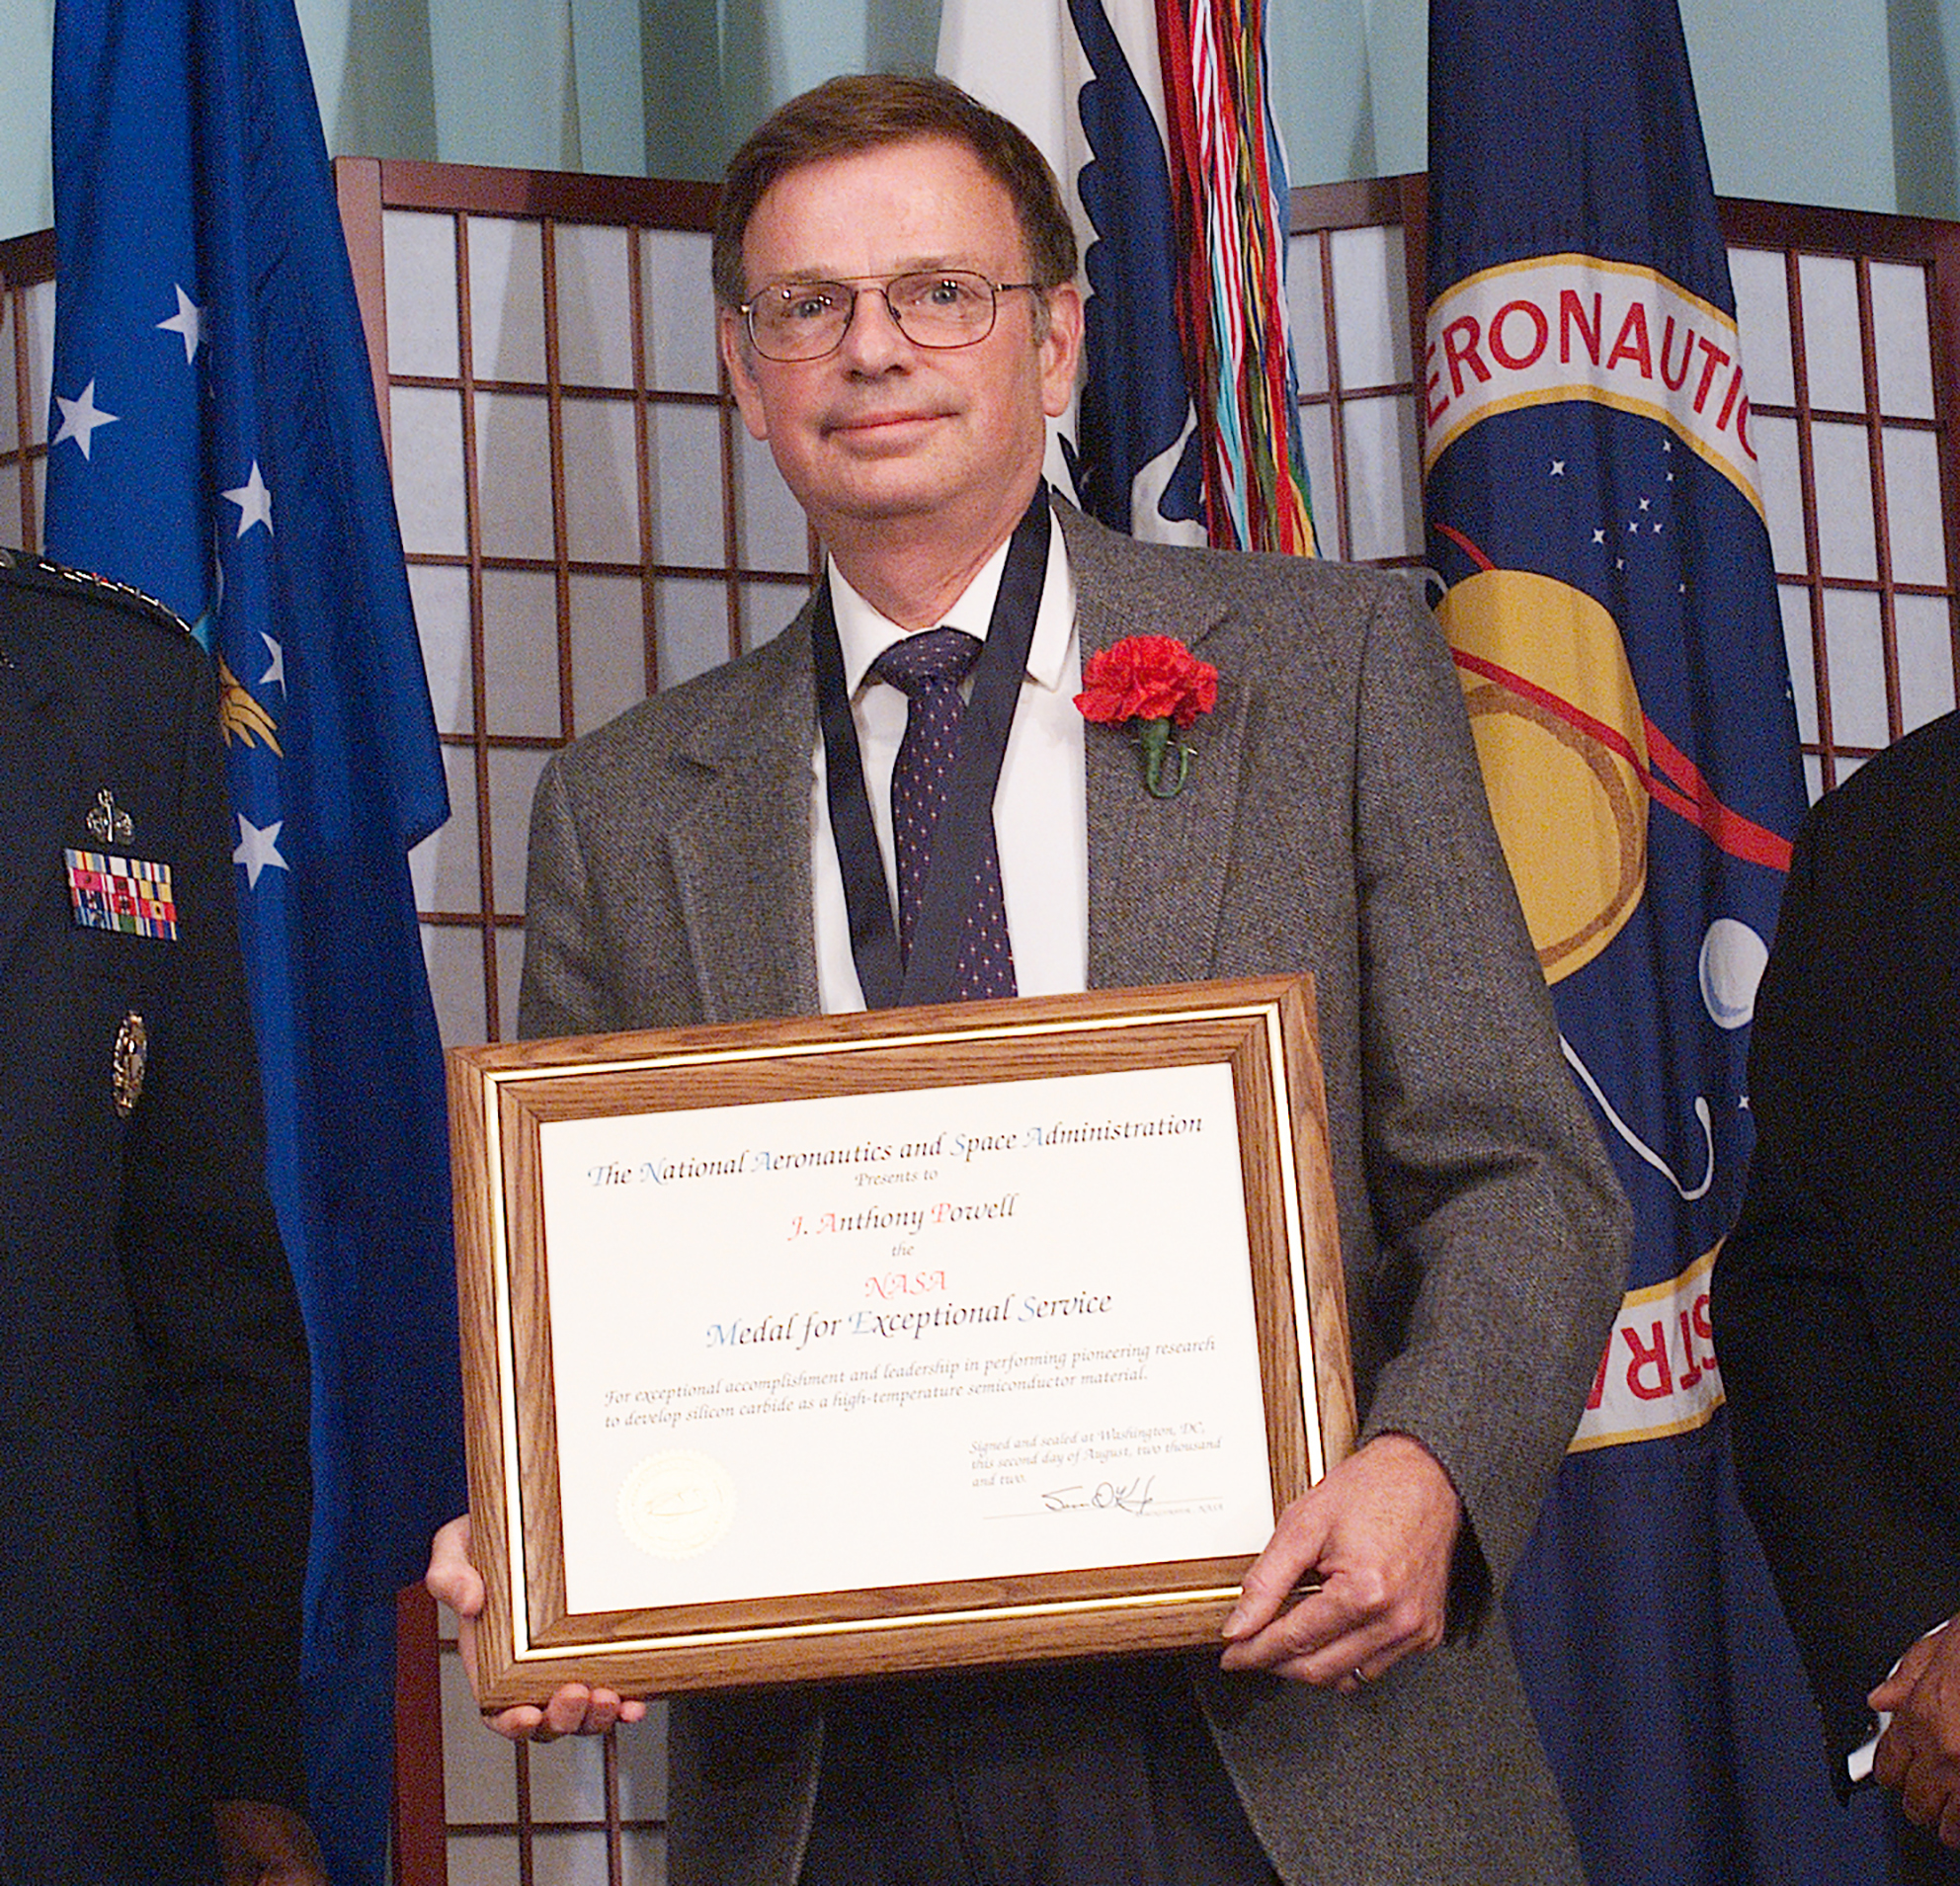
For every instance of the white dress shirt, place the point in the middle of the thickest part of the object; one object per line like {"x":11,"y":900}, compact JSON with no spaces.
{"x":1040,"y":817}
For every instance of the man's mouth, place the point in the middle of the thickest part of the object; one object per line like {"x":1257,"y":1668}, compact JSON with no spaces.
{"x":871,"y":422}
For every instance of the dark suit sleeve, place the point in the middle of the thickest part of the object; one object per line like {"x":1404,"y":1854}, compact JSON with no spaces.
{"x":226,"y":1378}
{"x":1825,"y":1445}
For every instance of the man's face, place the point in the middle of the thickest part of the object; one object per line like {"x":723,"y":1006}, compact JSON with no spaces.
{"x":883,"y":430}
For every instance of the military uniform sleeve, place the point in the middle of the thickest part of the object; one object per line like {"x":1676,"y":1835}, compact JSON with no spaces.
{"x":227,"y":1388}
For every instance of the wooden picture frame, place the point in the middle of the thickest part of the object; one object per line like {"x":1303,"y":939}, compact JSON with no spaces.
{"x":884,"y":1463}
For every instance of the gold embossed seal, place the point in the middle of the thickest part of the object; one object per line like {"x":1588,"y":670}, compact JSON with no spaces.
{"x":676,"y":1505}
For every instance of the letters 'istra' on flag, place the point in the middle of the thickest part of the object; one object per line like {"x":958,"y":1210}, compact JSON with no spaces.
{"x":1594,"y":510}
{"x":215,"y":443}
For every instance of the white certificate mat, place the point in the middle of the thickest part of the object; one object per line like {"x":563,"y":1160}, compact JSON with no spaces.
{"x":891,"y":1341}
{"x":950,"y":1305}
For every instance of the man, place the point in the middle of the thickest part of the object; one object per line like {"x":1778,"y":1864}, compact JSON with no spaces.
{"x":153,"y":1372}
{"x":1837,"y":1298}
{"x":898,"y":314}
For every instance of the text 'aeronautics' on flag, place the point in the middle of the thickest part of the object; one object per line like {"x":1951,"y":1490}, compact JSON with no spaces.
{"x":1574,"y":327}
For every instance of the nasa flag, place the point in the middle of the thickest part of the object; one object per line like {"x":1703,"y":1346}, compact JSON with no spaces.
{"x":1595,"y":511}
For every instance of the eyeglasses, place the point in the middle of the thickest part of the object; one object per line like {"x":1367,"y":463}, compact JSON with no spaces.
{"x":934,"y":307}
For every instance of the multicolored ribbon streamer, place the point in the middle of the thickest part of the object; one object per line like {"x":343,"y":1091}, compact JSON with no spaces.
{"x":1229,"y":176}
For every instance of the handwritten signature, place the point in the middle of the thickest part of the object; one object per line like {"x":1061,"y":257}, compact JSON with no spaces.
{"x":1106,"y":1496}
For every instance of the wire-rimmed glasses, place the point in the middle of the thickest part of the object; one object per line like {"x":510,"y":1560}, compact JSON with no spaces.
{"x":931,"y":308}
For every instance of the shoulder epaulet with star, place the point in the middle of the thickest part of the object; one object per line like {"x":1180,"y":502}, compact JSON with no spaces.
{"x":36,"y":572}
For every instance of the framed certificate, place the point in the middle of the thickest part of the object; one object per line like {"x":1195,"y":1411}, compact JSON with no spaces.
{"x":891,"y":1341}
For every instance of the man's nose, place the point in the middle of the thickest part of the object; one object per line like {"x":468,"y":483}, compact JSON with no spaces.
{"x":872,"y":336}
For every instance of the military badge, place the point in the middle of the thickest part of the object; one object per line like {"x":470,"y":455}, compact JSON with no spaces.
{"x":129,"y":895}
{"x":107,"y":823}
{"x":131,"y":1057}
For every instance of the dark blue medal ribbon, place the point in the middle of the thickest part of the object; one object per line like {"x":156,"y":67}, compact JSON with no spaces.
{"x":965,"y":824}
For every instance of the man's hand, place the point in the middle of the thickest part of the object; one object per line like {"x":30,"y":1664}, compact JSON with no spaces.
{"x":573,"y":1709}
{"x":1920,"y":1752}
{"x":259,"y":1844}
{"x":1378,"y":1531}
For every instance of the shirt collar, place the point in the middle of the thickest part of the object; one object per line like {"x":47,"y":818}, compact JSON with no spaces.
{"x":864,"y":634}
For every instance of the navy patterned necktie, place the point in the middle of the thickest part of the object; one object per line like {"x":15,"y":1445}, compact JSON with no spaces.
{"x":927,"y":668}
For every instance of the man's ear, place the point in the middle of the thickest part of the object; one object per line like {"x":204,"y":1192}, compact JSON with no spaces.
{"x":1061,"y":348}
{"x":733,"y":336}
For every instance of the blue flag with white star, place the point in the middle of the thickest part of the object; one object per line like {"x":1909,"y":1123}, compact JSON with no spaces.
{"x":214,"y":441}
{"x":1595,"y":510}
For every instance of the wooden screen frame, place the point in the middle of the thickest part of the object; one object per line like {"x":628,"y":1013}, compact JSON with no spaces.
{"x":368,"y":189}
{"x":1860,"y":237}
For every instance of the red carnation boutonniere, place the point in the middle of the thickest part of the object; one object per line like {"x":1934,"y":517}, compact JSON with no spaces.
{"x":1156,"y":681}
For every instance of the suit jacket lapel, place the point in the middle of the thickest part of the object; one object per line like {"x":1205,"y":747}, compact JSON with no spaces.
{"x":1156,"y":866}
{"x":742,"y":858}
{"x":41,"y":791}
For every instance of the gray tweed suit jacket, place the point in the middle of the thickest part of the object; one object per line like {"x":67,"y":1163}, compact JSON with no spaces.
{"x":1335,"y":821}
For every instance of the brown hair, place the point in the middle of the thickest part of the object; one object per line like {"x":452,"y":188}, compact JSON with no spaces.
{"x":846,"y":117}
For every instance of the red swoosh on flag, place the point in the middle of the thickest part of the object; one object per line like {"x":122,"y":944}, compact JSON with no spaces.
{"x":1687,"y":793}
{"x":1695,"y":798}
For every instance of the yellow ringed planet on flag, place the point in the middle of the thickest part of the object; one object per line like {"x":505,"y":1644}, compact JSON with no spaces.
{"x":1562,"y":742}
